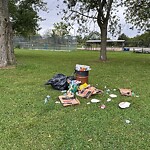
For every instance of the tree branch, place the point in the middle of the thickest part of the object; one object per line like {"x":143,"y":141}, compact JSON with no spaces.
{"x":109,"y":8}
{"x":92,"y":17}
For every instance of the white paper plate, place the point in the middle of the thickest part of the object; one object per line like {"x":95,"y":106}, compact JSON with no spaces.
{"x":113,"y":95}
{"x":95,"y":100}
{"x":124,"y":104}
{"x":108,"y":100}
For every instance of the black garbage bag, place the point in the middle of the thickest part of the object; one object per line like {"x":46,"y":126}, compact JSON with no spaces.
{"x":58,"y":82}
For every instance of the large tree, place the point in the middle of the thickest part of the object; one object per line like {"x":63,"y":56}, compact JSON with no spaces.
{"x":104,"y":12}
{"x":6,"y":49}
{"x":17,"y":17}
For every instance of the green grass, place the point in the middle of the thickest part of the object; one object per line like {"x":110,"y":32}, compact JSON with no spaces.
{"x":26,"y":123}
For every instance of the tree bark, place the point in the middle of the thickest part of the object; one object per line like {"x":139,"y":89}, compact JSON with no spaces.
{"x":103,"y":55}
{"x":102,"y":20}
{"x":6,"y":36}
{"x":103,"y":23}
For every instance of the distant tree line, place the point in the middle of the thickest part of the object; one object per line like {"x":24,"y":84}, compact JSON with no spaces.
{"x":142,"y":40}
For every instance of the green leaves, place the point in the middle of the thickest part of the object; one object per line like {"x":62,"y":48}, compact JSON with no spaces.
{"x":61,"y":29}
{"x":24,"y":16}
{"x":137,"y":13}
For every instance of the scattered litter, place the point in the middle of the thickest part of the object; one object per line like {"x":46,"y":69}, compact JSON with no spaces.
{"x":82,"y":67}
{"x":88,"y":103}
{"x":49,"y":136}
{"x":57,"y":102}
{"x":124,"y":104}
{"x":48,"y":96}
{"x":89,"y":140}
{"x":102,"y":106}
{"x":114,"y":89}
{"x":127,"y":121}
{"x":68,"y":100}
{"x":46,"y":99}
{"x":126,"y":92}
{"x":113,"y":95}
{"x":133,"y":94}
{"x":83,"y":86}
{"x":77,"y":93}
{"x":64,"y":91}
{"x":95,"y":100}
{"x":108,"y":100}
{"x":108,"y":90}
{"x":73,"y":86}
{"x":88,"y":91}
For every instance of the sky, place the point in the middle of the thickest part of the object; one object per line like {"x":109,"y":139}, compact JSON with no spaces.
{"x":52,"y":17}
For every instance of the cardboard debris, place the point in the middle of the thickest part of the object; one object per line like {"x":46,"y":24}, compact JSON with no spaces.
{"x":97,"y":91}
{"x":88,"y":91}
{"x":68,"y":100}
{"x":126,"y":92}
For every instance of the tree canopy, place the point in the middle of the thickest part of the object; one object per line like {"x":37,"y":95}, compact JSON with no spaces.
{"x":137,"y":12}
{"x":123,"y":37}
{"x":61,"y":29}
{"x":24,"y":15}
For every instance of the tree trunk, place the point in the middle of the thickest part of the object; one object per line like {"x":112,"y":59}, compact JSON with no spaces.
{"x":103,"y":29}
{"x":6,"y":36}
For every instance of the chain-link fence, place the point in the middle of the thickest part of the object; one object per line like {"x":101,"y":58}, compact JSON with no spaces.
{"x":66,"y":43}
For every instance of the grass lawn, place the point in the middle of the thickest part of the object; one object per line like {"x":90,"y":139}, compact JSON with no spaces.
{"x":26,"y":123}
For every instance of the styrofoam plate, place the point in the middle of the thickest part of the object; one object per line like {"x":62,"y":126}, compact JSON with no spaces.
{"x":95,"y":100}
{"x":124,"y":104}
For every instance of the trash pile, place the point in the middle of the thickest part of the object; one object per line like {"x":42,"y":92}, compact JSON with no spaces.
{"x":73,"y":88}
{"x":77,"y":86}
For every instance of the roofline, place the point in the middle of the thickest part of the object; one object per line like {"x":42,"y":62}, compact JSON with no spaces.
{"x":99,"y":41}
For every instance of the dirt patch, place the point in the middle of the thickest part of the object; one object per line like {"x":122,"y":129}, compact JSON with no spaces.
{"x":8,"y":67}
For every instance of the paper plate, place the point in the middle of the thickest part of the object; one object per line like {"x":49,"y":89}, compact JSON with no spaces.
{"x":113,"y":95}
{"x":95,"y":100}
{"x":124,"y":104}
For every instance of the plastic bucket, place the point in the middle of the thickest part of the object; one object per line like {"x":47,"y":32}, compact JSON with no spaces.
{"x":82,"y":76}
